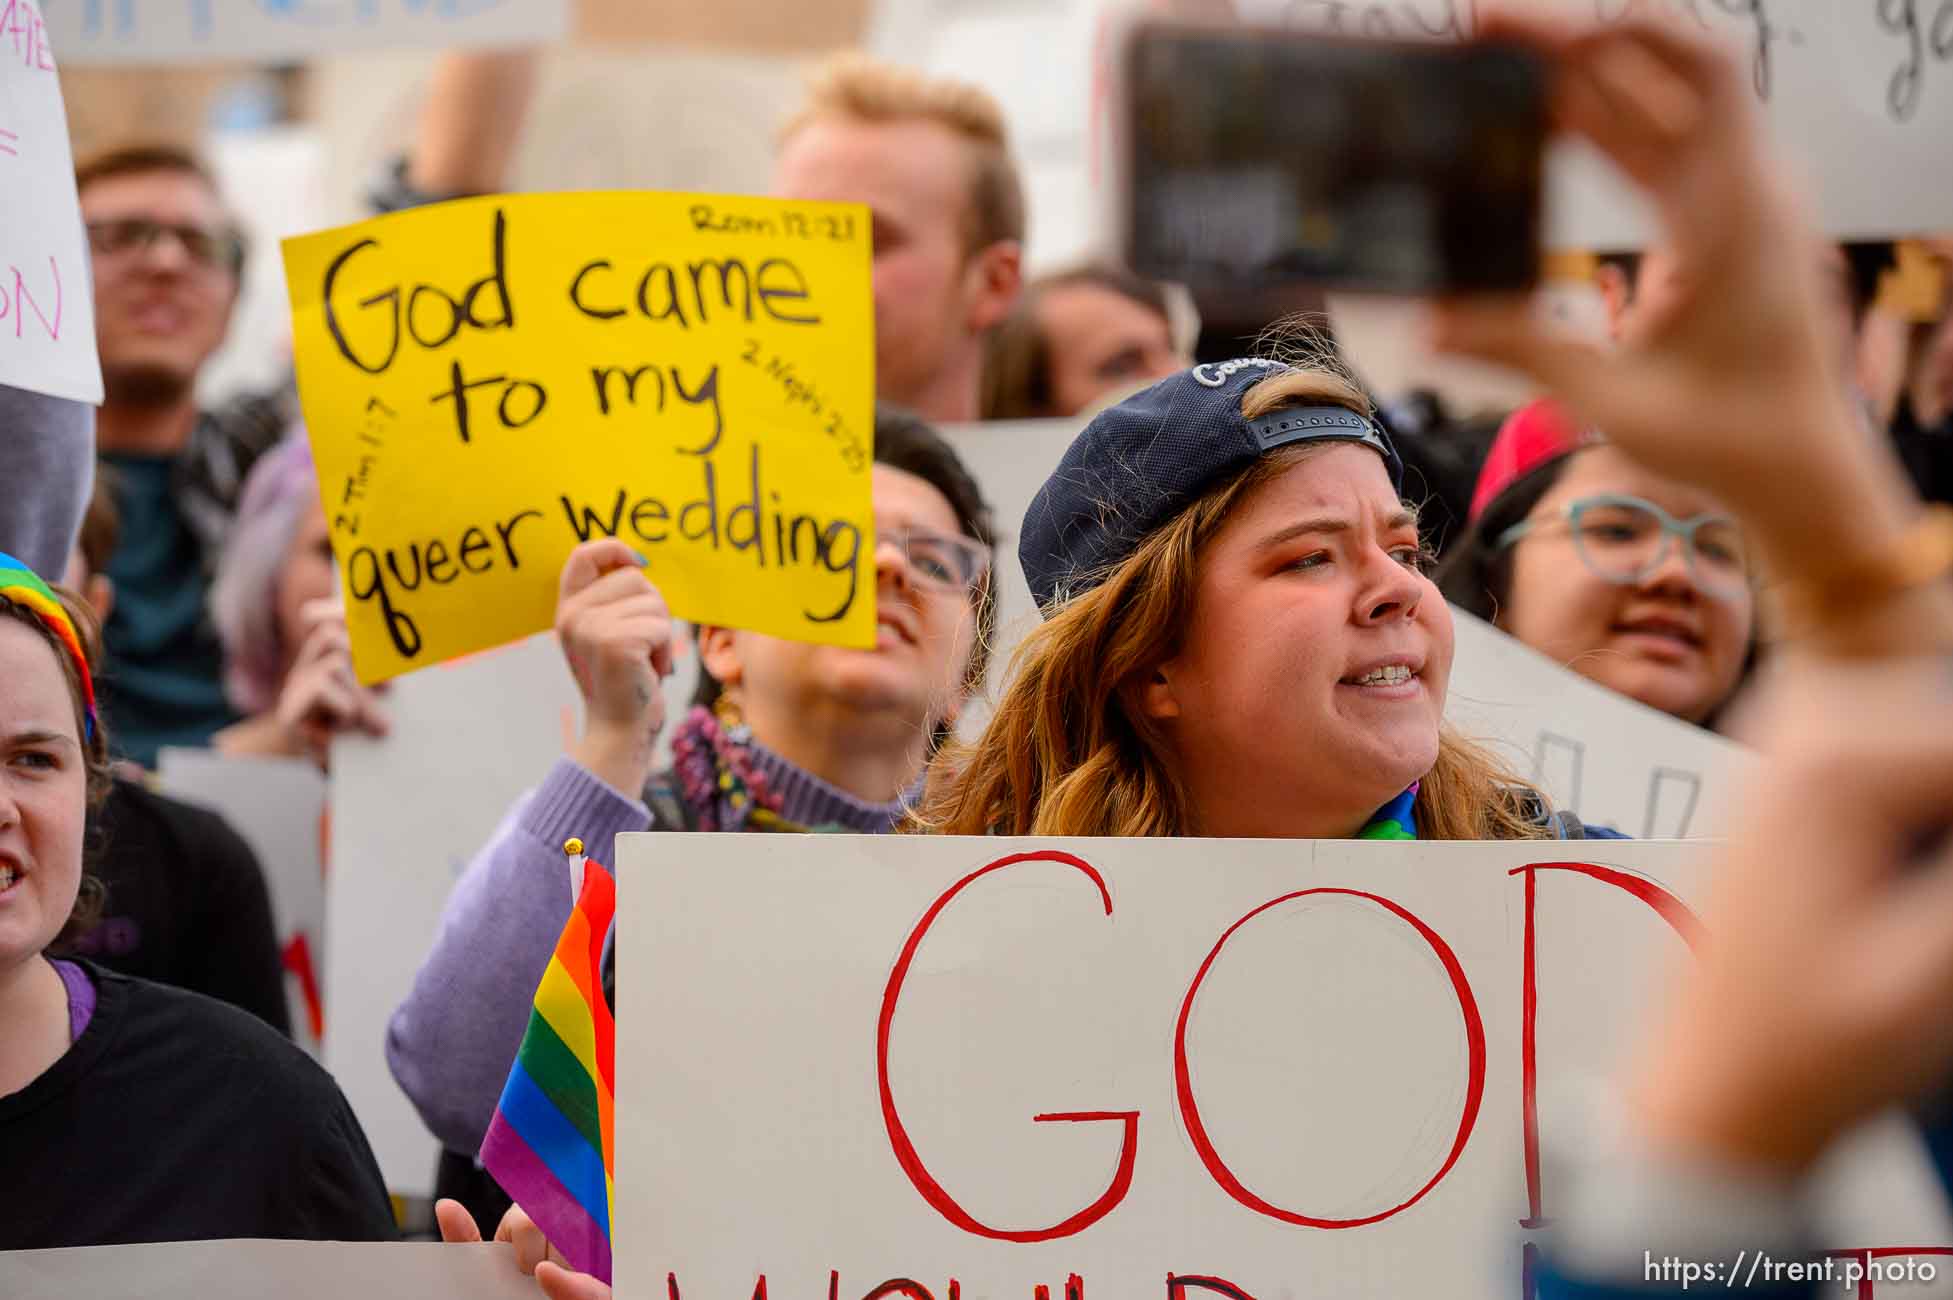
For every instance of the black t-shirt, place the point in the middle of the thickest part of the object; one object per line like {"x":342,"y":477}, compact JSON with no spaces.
{"x":177,"y":1118}
{"x":187,"y":904}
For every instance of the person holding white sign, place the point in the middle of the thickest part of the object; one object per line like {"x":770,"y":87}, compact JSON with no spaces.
{"x":130,"y":1111}
{"x":1248,"y":645}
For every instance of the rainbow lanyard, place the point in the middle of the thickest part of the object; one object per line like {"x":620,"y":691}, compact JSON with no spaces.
{"x":1396,"y":820}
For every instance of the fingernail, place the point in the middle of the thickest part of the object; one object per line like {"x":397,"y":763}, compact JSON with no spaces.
{"x":643,"y":560}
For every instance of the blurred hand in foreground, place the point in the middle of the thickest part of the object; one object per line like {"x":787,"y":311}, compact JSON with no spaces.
{"x":1824,"y":992}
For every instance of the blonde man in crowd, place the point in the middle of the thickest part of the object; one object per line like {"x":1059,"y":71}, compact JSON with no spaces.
{"x":931,"y":159}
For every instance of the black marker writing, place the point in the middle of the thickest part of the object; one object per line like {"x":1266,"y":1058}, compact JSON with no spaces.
{"x":367,"y":572}
{"x":1935,"y":40}
{"x":706,"y":393}
{"x":695,"y":293}
{"x":425,"y":313}
{"x":760,"y":526}
{"x":521,"y":400}
{"x":1763,"y":34}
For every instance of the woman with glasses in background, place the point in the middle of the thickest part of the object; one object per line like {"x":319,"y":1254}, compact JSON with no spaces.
{"x":1639,"y":582}
{"x":783,"y":736}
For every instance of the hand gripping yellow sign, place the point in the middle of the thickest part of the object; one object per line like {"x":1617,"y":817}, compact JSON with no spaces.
{"x":489,"y":382}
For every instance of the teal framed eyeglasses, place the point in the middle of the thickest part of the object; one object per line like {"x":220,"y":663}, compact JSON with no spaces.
{"x":1624,"y":539}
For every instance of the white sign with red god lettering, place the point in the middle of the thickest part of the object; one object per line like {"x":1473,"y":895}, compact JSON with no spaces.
{"x":47,"y":309}
{"x":951,"y":1068}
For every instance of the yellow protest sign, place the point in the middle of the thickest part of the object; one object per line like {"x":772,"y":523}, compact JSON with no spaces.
{"x":489,"y":382}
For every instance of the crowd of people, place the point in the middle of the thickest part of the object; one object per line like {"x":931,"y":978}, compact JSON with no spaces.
{"x":1714,"y":513}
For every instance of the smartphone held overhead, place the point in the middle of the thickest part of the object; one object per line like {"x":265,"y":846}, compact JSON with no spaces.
{"x":1257,"y":160}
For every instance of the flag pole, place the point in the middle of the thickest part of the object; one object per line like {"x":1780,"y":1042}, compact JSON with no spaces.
{"x":573,"y":850}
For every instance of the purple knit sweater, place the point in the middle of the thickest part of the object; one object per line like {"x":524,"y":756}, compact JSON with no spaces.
{"x":450,"y":1044}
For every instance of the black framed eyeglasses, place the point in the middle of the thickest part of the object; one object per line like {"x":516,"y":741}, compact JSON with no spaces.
{"x":1623,"y":539}
{"x":220,"y":247}
{"x":944,"y":561}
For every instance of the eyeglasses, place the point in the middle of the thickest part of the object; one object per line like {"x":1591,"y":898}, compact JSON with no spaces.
{"x":220,"y":247}
{"x":940,"y":561}
{"x":1623,"y":539}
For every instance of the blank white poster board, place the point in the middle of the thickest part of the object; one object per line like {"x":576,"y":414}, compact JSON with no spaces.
{"x":992,"y":1066}
{"x":279,"y":806}
{"x":270,"y":31}
{"x":252,"y":1270}
{"x":47,"y":302}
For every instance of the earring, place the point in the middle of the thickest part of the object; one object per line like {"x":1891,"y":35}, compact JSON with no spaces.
{"x":731,"y":718}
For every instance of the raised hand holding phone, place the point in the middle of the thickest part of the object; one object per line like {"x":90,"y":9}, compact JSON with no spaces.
{"x":1737,"y":348}
{"x":1826,"y":990}
{"x":1728,"y":383}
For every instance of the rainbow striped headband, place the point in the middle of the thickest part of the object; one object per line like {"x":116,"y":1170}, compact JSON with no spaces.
{"x":23,"y":586}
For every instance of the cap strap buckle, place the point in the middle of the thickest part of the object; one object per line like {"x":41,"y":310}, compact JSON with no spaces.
{"x":1312,"y":423}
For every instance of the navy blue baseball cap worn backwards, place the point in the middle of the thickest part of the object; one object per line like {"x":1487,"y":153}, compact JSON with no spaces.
{"x":1139,"y":463}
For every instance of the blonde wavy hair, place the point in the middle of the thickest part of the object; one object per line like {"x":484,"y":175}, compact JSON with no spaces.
{"x":1065,"y":753}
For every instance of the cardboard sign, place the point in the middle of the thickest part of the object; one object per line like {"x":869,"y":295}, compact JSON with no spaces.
{"x":47,"y":299}
{"x":205,"y":31}
{"x":251,"y":1270}
{"x":489,"y":382}
{"x":987,"y":1067}
{"x":279,"y":806}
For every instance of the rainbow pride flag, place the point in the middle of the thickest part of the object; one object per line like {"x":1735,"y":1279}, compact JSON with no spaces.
{"x":551,"y":1143}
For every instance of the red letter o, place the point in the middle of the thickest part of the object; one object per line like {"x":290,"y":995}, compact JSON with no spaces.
{"x":1474,"y":1091}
